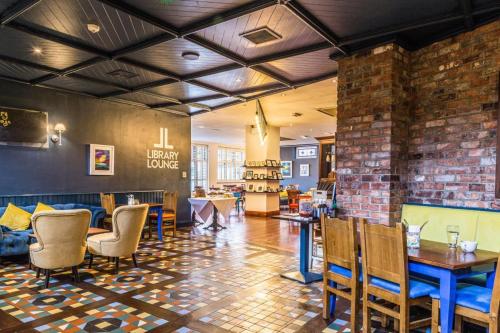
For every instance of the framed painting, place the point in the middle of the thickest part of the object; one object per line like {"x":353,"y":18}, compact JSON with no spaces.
{"x":304,"y":170}
{"x":306,"y":152}
{"x":101,"y":160}
{"x":286,"y":169}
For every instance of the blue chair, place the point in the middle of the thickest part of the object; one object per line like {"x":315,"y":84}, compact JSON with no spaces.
{"x":340,"y":260}
{"x":239,"y":201}
{"x":479,"y":305}
{"x":385,"y":277}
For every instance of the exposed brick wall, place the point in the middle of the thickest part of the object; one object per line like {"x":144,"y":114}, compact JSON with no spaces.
{"x":418,"y":127}
{"x":372,"y":128}
{"x":452,"y":148}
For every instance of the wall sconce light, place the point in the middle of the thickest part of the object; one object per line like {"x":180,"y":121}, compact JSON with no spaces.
{"x":59,"y":129}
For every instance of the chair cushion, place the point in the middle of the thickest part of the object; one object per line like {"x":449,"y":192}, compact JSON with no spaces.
{"x":345,"y":272}
{"x":417,"y":288}
{"x":94,"y":242}
{"x":15,"y":218}
{"x":472,"y":297}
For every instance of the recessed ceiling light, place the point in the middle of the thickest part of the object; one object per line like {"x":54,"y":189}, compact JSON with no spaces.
{"x":238,"y":80}
{"x":189,"y":55}
{"x":304,"y":136}
{"x":201,"y":126}
{"x":37,"y":50}
{"x":93,"y":27}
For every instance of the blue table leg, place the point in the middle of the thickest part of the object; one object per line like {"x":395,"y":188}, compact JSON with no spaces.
{"x":160,"y":223}
{"x":304,"y":275}
{"x":447,"y":293}
{"x":490,"y":277}
{"x":333,"y":297}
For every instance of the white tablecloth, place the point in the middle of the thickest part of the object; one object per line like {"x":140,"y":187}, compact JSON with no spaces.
{"x":204,"y":207}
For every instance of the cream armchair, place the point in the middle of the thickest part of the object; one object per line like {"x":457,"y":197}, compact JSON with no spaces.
{"x":128,"y":222}
{"x":61,"y":240}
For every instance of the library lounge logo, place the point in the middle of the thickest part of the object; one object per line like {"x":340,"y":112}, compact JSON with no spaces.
{"x":163,"y":156}
{"x":4,"y":119}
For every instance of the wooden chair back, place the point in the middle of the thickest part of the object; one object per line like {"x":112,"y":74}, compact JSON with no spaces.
{"x":170,"y":202}
{"x":384,"y":254}
{"x":108,"y":202}
{"x":340,"y":243}
{"x":495,"y":297}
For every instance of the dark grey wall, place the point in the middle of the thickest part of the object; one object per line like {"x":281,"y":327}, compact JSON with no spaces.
{"x":63,"y":169}
{"x":288,"y":154}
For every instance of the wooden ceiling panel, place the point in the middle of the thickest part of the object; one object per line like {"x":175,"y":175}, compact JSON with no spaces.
{"x":21,"y":45}
{"x":168,"y":55}
{"x":117,"y":29}
{"x":185,"y":108}
{"x":116,"y":72}
{"x":183,"y":12}
{"x":69,"y":83}
{"x":19,"y":72}
{"x":219,"y":101}
{"x":346,"y":18}
{"x":293,"y":33}
{"x":5,"y":4}
{"x":237,"y":79}
{"x":182,"y":91}
{"x":143,"y":98}
{"x":304,"y":66}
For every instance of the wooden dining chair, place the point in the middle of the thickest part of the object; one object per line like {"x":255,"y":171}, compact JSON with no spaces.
{"x":340,"y":266}
{"x":293,"y":200}
{"x":479,"y":305}
{"x":108,"y":203}
{"x":385,"y":277}
{"x":169,"y":213}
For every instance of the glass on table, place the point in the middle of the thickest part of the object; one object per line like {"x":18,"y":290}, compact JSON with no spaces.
{"x":453,"y":233}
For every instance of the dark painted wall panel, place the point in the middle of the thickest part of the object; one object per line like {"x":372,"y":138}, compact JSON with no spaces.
{"x":63,"y":169}
{"x":305,"y":183}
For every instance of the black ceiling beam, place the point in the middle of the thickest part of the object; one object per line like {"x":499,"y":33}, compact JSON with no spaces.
{"x":227,"y":15}
{"x":255,"y":89}
{"x":17,"y":9}
{"x":187,"y":101}
{"x":467,"y":10}
{"x":58,"y":39}
{"x":99,"y":81}
{"x":277,"y":77}
{"x":289,"y":53}
{"x":29,"y":64}
{"x":162,"y":38}
{"x":310,"y":20}
{"x":216,"y":70}
{"x":154,"y":84}
{"x":111,"y":94}
{"x":82,"y":65}
{"x":141,"y":15}
{"x":149,"y":68}
{"x":217,"y":49}
{"x":210,"y":87}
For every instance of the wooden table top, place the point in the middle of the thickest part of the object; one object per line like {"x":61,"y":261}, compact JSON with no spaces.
{"x":440,"y":255}
{"x":150,"y":204}
{"x":91,"y":232}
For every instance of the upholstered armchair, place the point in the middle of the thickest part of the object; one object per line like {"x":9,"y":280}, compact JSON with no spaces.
{"x":128,"y":222}
{"x":61,"y":240}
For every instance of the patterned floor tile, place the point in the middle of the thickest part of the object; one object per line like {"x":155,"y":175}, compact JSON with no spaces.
{"x":260,"y":314}
{"x":9,"y":267}
{"x":185,"y":330}
{"x":237,"y":276}
{"x":28,"y":307}
{"x":185,"y":247}
{"x":311,"y":294}
{"x":184,"y":297}
{"x":114,"y":317}
{"x":282,"y":261}
{"x":185,"y":264}
{"x":227,"y":253}
{"x":14,"y":282}
{"x":126,"y":281}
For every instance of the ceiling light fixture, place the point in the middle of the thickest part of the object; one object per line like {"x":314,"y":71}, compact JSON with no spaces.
{"x":238,"y":80}
{"x":304,"y":136}
{"x":93,"y":27}
{"x":189,"y":55}
{"x":37,"y":50}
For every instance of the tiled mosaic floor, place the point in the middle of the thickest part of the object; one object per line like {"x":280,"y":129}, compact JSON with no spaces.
{"x":188,"y":284}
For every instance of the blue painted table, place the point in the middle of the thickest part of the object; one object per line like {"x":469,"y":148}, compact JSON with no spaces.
{"x":447,"y":265}
{"x":158,"y":209}
{"x":303,"y":275}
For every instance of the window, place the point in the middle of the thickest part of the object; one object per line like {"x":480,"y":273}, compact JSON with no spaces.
{"x":229,"y":164}
{"x":199,"y":166}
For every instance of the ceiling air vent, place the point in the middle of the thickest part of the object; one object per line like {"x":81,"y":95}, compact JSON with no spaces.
{"x":122,"y":74}
{"x":260,"y":36}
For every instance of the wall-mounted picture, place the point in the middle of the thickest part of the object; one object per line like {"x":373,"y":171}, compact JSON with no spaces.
{"x":255,"y":176}
{"x":250,"y":188}
{"x":101,"y":160}
{"x":27,"y":128}
{"x":249,"y":174}
{"x":286,"y":169}
{"x":260,"y":188}
{"x":307,"y":152}
{"x":304,"y":170}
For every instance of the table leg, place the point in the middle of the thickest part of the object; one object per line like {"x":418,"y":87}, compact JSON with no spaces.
{"x":215,"y":221}
{"x":490,"y":277}
{"x":447,"y":292}
{"x":304,"y":275}
{"x":160,"y":223}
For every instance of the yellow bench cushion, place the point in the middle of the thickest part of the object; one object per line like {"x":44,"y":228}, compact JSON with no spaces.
{"x":15,"y":218}
{"x":488,"y":224}
{"x":41,"y":207}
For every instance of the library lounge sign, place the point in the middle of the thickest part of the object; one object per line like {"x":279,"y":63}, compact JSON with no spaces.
{"x":163,"y":156}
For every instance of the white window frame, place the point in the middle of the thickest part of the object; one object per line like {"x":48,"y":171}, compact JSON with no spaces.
{"x":196,"y":162}
{"x":230,"y":169}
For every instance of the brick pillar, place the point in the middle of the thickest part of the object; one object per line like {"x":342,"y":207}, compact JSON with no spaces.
{"x":372,"y":133}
